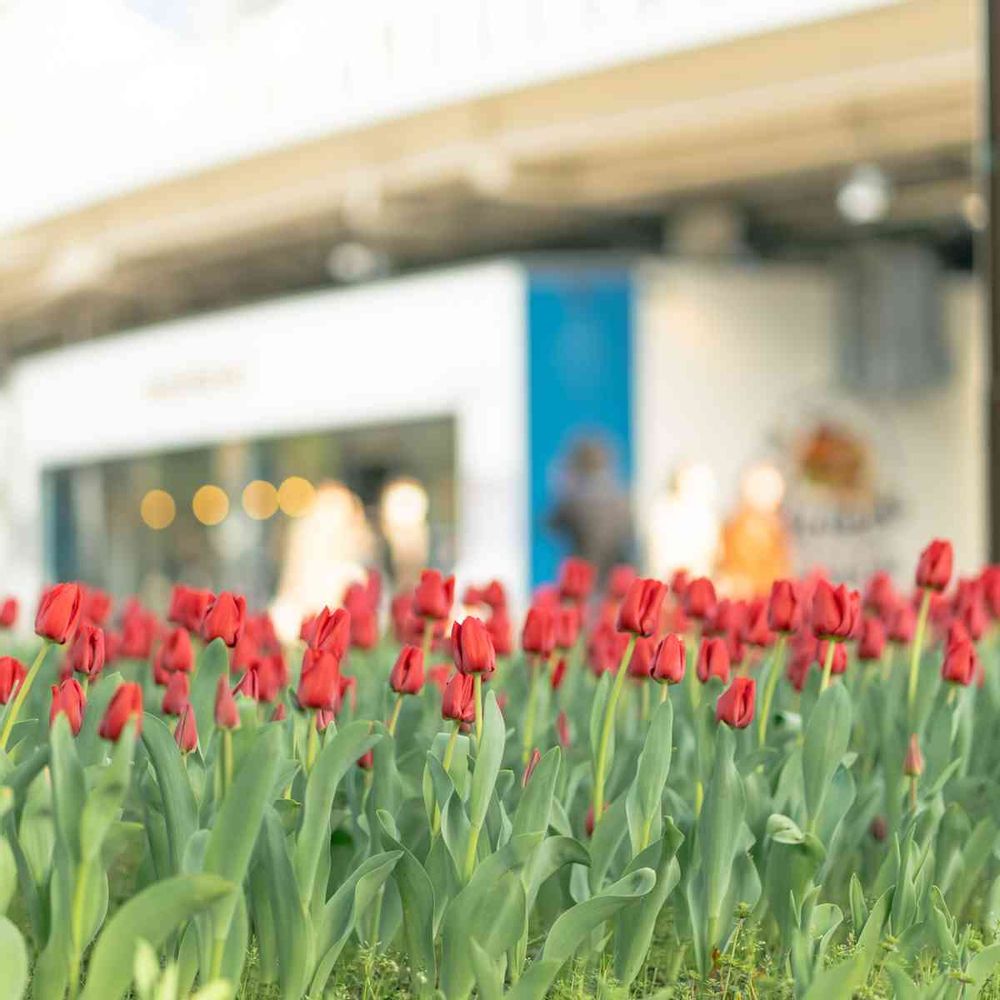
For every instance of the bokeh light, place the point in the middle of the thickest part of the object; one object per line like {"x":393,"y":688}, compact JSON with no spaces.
{"x":157,"y":509}
{"x":260,"y":499}
{"x":404,"y":504}
{"x":210,"y":504}
{"x":296,"y":496}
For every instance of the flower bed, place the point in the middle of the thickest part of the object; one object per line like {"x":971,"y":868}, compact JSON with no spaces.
{"x":792,"y":796}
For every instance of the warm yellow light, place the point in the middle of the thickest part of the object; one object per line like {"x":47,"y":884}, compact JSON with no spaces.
{"x":157,"y":509}
{"x":296,"y":496}
{"x":210,"y":504}
{"x":260,"y":500}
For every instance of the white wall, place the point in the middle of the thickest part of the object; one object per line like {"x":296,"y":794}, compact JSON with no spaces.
{"x":726,"y":354}
{"x":385,"y":352}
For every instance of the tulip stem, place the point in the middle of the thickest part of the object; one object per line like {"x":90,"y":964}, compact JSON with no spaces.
{"x":644,"y":700}
{"x":312,"y":744}
{"x":601,"y":765}
{"x":775,"y":669}
{"x":394,"y":718}
{"x":470,"y":854}
{"x":449,"y":753}
{"x":831,"y":652}
{"x":22,"y":693}
{"x":227,"y":760}
{"x":76,"y":928}
{"x":477,"y":686}
{"x":529,"y":713}
{"x":918,"y":642}
{"x":664,"y":692}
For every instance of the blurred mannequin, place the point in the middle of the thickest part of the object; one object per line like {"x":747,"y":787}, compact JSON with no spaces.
{"x":684,"y":524}
{"x":593,"y":511}
{"x":327,"y":549}
{"x":755,"y":541}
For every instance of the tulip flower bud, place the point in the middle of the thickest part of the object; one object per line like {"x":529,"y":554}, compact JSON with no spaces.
{"x":536,"y":756}
{"x":12,"y":672}
{"x":175,"y":698}
{"x":186,"y":733}
{"x":224,"y":618}
{"x":735,"y":706}
{"x":59,"y":612}
{"x":175,"y":653}
{"x":639,"y":612}
{"x":366,"y":761}
{"x":713,"y":660}
{"x":679,"y":581}
{"x":961,"y":663}
{"x":699,"y":599}
{"x":407,"y":675}
{"x":839,"y":662}
{"x":902,"y":623}
{"x":364,"y":628}
{"x":472,"y":648}
{"x":227,"y":714}
{"x":433,"y":595}
{"x":835,"y":611}
{"x":329,"y":631}
{"x":669,"y":660}
{"x":539,"y":633}
{"x":934,"y":566}
{"x":494,"y":596}
{"x":619,"y":580}
{"x":86,"y":651}
{"x":913,"y":764}
{"x":8,"y":612}
{"x":872,"y":642}
{"x":756,"y":630}
{"x":264,"y":678}
{"x":576,"y":579}
{"x":784,"y":611}
{"x":280,"y":713}
{"x":558,"y":674}
{"x":139,"y":631}
{"x":880,"y":595}
{"x":69,"y":699}
{"x":319,"y":681}
{"x":567,"y":626}
{"x":641,"y":661}
{"x":125,"y":705}
{"x":562,"y":730}
{"x":970,"y":607}
{"x":990,"y":580}
{"x":188,"y":606}
{"x":459,"y":702}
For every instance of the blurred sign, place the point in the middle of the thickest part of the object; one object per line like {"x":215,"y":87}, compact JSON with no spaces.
{"x":132,"y":93}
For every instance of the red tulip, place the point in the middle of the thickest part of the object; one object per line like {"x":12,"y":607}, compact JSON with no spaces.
{"x":175,"y":654}
{"x":880,"y":594}
{"x":639,"y":612}
{"x":699,"y":599}
{"x":835,"y":612}
{"x":244,"y":652}
{"x":176,"y":695}
{"x":558,"y":674}
{"x":330,"y":632}
{"x":902,"y":623}
{"x":500,"y":630}
{"x":472,"y":648}
{"x":934,"y":567}
{"x":713,"y":660}
{"x":59,"y":612}
{"x":562,"y":730}
{"x":784,"y":612}
{"x":139,"y":630}
{"x":567,"y":626}
{"x":224,"y":618}
{"x":186,"y":733}
{"x":576,"y":579}
{"x":366,"y":761}
{"x":96,"y":606}
{"x":961,"y":664}
{"x":679,"y":581}
{"x":872,"y":642}
{"x":494,"y":596}
{"x":407,"y":675}
{"x":536,"y":756}
{"x":125,"y":705}
{"x":538,"y":636}
{"x":669,"y":660}
{"x":736,"y":704}
{"x":227,"y":714}
{"x":839,"y":663}
{"x":188,"y":606}
{"x":756,"y":630}
{"x":970,"y":607}
{"x":279,"y":714}
{"x":439,"y":675}
{"x":459,"y":701}
{"x":8,"y":612}
{"x":433,"y":595}
{"x":319,"y":682}
{"x":605,"y":648}
{"x":86,"y":652}
{"x":641,"y":661}
{"x":364,"y":629}
{"x":68,"y":698}
{"x":619,"y":580}
{"x":12,"y":672}
{"x":263,"y":679}
{"x":990,"y":580}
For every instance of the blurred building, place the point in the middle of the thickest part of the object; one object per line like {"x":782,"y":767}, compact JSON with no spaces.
{"x":270,"y":243}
